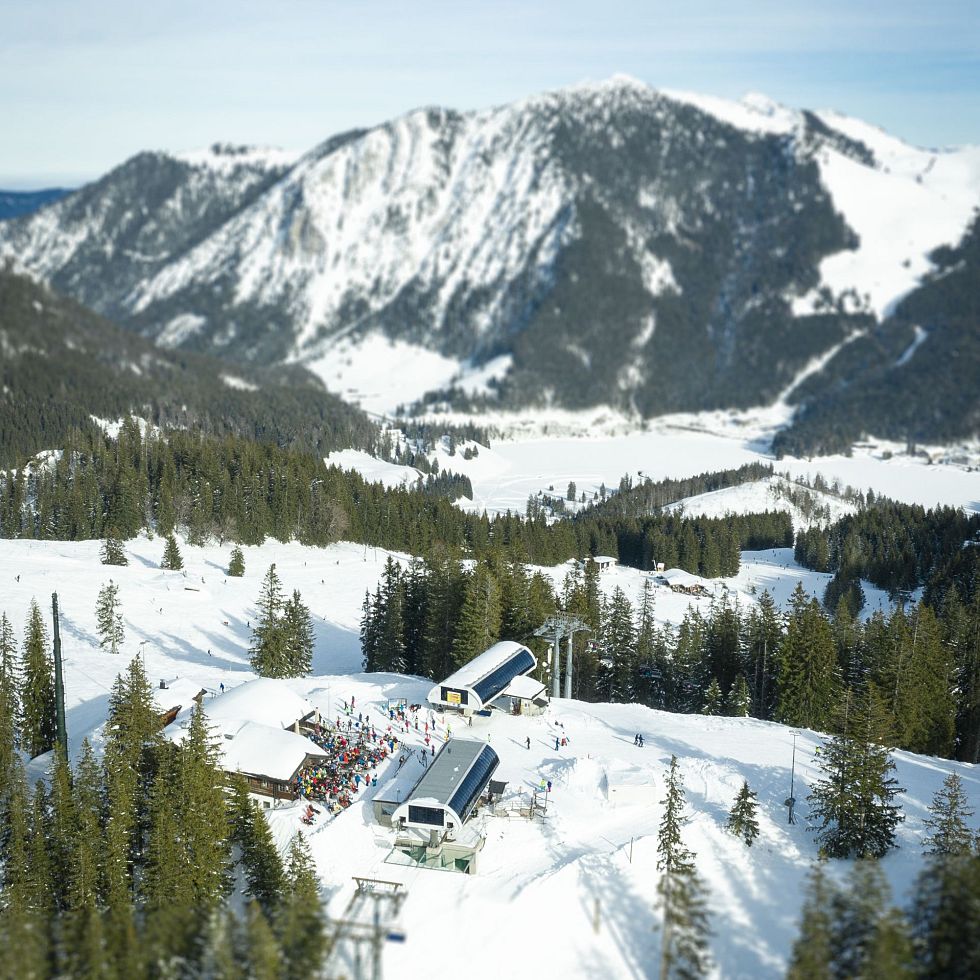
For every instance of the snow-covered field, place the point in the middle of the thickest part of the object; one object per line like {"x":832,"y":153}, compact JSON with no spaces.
{"x":529,"y":462}
{"x":541,"y":886}
{"x":195,"y":624}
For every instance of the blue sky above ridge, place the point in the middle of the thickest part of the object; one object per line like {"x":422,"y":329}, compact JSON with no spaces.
{"x":85,"y":84}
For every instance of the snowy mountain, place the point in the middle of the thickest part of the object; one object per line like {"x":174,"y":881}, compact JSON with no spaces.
{"x":603,"y":244}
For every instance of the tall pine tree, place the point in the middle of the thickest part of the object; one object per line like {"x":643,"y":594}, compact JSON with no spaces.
{"x":37,"y":700}
{"x":854,"y":803}
{"x":108,"y":617}
{"x":684,"y":926}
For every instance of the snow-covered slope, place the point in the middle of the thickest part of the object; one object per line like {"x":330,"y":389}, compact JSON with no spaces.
{"x":805,"y":506}
{"x":602,"y":244}
{"x":511,"y":470}
{"x":586,"y":871}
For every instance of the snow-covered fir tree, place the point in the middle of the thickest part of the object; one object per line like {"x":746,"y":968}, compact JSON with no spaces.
{"x":108,"y":615}
{"x":112,"y":550}
{"x":949,"y":832}
{"x":740,"y":699}
{"x":713,"y":700}
{"x":236,"y":564}
{"x":742,"y":819}
{"x":853,"y":804}
{"x":172,"y":559}
{"x":685,"y":929}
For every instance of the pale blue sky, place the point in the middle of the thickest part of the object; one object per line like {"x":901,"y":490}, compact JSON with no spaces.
{"x":85,"y":84}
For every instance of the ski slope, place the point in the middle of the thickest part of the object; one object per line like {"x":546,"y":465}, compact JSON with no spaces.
{"x":533,"y":904}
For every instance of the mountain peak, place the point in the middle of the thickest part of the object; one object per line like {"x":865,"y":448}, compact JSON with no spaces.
{"x":228,"y":156}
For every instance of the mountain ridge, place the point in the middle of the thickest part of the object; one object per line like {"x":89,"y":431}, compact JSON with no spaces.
{"x":618,"y":244}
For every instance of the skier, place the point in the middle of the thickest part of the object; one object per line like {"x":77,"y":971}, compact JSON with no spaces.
{"x":636,"y":739}
{"x":529,"y":743}
{"x":222,"y":687}
{"x":556,"y":743}
{"x":641,"y":741}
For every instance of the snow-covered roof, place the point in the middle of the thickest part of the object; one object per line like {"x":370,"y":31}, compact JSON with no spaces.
{"x":398,"y":788}
{"x":485,"y":676}
{"x":524,"y":687}
{"x":266,"y":750}
{"x":264,"y":700}
{"x":180,"y":692}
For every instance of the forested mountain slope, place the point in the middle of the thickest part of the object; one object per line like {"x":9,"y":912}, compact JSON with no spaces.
{"x":61,"y":364}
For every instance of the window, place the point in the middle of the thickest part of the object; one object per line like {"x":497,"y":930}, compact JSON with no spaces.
{"x":453,"y":696}
{"x":491,"y":685}
{"x":474,"y":782}
{"x":431,"y":815}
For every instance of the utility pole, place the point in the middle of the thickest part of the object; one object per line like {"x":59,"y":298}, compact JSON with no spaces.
{"x":59,"y":681}
{"x":791,"y":802}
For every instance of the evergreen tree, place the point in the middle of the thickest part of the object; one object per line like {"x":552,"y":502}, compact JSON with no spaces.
{"x":813,"y":950}
{"x":685,"y":931}
{"x":618,"y":643}
{"x":236,"y":566}
{"x":269,"y":653}
{"x":946,"y":918}
{"x":201,"y":794}
{"x":9,"y":699}
{"x":222,"y":957}
{"x":478,"y":627}
{"x":857,"y":909}
{"x":301,"y":924}
{"x":761,"y":643}
{"x":260,"y":859}
{"x":890,"y":953}
{"x":262,"y":955}
{"x":297,"y":626}
{"x":742,"y":820}
{"x":132,"y":740}
{"x":713,"y":700}
{"x":389,"y":613}
{"x":24,"y":928}
{"x":949,"y":835}
{"x":172,"y":559}
{"x":854,"y":802}
{"x":739,"y":699}
{"x":808,"y":681}
{"x":112,"y":550}
{"x":108,"y":616}
{"x":37,"y":700}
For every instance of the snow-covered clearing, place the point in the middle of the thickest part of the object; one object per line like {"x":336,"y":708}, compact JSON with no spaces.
{"x":373,"y":469}
{"x":529,"y":462}
{"x":535,"y":879}
{"x":758,"y":497}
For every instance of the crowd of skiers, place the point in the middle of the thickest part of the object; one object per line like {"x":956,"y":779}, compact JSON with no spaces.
{"x":356,"y":748}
